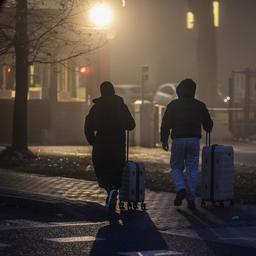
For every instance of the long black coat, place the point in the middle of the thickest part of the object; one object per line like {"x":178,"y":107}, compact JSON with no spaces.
{"x":104,"y":128}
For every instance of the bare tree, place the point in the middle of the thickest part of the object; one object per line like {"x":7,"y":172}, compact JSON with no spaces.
{"x":21,"y":54}
{"x":41,"y":31}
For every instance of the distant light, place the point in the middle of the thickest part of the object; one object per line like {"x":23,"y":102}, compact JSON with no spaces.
{"x":190,"y":20}
{"x":139,"y":102}
{"x":86,"y":70}
{"x":228,"y":98}
{"x":8,"y":70}
{"x":225,"y":100}
{"x":216,"y":13}
{"x":101,"y":15}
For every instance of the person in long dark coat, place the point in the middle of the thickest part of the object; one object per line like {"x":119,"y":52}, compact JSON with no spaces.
{"x":105,"y":129}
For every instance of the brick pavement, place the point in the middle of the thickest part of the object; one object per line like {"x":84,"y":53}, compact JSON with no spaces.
{"x":209,"y":224}
{"x":55,"y":187}
{"x":74,"y":191}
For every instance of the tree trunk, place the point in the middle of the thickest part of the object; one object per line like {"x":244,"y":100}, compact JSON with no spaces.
{"x":206,"y":50}
{"x":19,"y":139}
{"x":2,"y":3}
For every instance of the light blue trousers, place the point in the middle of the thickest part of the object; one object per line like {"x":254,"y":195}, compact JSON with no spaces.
{"x":185,"y":157}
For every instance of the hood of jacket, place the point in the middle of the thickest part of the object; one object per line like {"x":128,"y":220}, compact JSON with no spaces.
{"x":186,"y":89}
{"x":110,"y":99}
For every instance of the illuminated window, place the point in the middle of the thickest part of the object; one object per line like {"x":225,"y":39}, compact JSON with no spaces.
{"x":216,"y":10}
{"x":72,"y":82}
{"x":39,"y":81}
{"x":32,"y":74}
{"x":190,"y":20}
{"x":7,"y":81}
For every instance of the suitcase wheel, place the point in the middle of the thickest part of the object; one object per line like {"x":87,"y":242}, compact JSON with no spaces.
{"x":135,"y":205}
{"x":203,"y":204}
{"x":222,"y":204}
{"x":129,"y":206}
{"x":143,"y":206}
{"x":121,"y":206}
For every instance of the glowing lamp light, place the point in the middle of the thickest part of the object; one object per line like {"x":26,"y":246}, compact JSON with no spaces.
{"x":8,"y":70}
{"x":101,"y":15}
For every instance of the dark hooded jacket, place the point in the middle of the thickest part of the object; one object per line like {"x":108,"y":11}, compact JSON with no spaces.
{"x":185,"y":116}
{"x":105,"y":127}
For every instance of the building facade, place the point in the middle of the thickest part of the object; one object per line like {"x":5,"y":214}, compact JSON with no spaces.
{"x":59,"y":97}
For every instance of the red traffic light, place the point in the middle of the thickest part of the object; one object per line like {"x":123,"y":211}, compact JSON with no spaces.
{"x":86,"y":70}
{"x":8,"y":69}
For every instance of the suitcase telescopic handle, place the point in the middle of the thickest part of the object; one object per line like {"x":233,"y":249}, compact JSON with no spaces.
{"x":127,"y":145}
{"x":208,"y":139}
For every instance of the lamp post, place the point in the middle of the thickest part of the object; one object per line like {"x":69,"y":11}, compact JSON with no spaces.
{"x":144,"y":78}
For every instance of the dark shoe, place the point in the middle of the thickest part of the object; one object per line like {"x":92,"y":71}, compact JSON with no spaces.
{"x":180,"y":195}
{"x":191,"y":204}
{"x":111,"y":200}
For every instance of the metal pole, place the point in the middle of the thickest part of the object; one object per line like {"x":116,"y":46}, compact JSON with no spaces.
{"x":231,"y":95}
{"x":247,"y":96}
{"x":142,"y":85}
{"x":144,"y":76}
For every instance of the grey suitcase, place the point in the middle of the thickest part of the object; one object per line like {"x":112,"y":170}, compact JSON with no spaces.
{"x":217,"y":174}
{"x":132,"y":190}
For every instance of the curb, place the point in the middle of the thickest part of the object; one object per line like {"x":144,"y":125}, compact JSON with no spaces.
{"x":54,"y":207}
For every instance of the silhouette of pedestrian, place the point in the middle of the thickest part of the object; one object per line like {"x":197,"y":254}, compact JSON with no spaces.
{"x":184,"y":117}
{"x":105,"y":128}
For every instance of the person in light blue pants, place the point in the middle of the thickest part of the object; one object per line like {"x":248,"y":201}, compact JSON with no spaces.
{"x":184,"y":117}
{"x":185,"y":155}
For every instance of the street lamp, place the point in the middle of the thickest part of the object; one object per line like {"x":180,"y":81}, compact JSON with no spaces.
{"x":101,"y":15}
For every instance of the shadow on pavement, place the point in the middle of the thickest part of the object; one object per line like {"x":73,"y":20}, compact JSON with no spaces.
{"x":206,"y":230}
{"x":131,"y":231}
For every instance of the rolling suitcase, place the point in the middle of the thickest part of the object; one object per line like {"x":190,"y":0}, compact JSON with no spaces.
{"x":217,"y":173}
{"x":132,"y":190}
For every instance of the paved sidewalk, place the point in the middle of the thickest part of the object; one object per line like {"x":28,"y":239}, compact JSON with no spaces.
{"x":235,"y":225}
